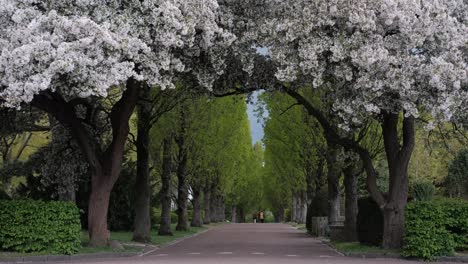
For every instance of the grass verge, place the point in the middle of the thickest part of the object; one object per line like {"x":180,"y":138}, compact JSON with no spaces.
{"x":356,"y":247}
{"x":123,"y":237}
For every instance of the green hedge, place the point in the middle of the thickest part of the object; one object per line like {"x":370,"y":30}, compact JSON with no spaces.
{"x":435,"y":228}
{"x":37,"y":226}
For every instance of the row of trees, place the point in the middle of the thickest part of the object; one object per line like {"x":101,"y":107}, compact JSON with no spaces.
{"x":352,"y":66}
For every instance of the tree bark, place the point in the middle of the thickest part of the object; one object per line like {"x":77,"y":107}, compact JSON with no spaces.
{"x":165,"y":227}
{"x":97,"y":211}
{"x":398,"y":158}
{"x":333,"y":177}
{"x":351,"y":201}
{"x":197,"y":220}
{"x":106,"y":166}
{"x":142,"y":224}
{"x":182,"y":195}
{"x":294,"y":208}
{"x":207,"y":205}
{"x":234,"y":214}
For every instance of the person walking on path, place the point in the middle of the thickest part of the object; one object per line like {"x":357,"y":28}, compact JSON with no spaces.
{"x":262,"y":217}
{"x":254,"y":218}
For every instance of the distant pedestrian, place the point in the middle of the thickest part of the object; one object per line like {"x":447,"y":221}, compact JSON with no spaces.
{"x":254,"y":217}
{"x":262,"y":217}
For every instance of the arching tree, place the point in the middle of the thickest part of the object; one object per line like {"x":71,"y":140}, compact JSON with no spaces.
{"x":58,"y":55}
{"x":378,"y":59}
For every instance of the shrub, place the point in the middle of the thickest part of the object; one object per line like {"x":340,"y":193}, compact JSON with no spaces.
{"x":37,"y":226}
{"x":4,"y":195}
{"x":435,"y":228}
{"x":156,"y":217}
{"x":456,"y":181}
{"x":423,"y":191}
{"x":369,"y":222}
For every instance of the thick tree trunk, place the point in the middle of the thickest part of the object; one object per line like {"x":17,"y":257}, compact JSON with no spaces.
{"x":398,"y":157}
{"x":207,"y":205}
{"x":97,"y":211}
{"x":182,"y":195}
{"x":165,"y":227}
{"x":142,"y":224}
{"x":197,"y":220}
{"x":333,"y":177}
{"x":351,"y":202}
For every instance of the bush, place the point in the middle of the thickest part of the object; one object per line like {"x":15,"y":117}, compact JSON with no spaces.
{"x":156,"y":217}
{"x":456,"y":181}
{"x":37,"y":226}
{"x":423,"y":191}
{"x":4,"y":195}
{"x":369,"y":222}
{"x":435,"y":228}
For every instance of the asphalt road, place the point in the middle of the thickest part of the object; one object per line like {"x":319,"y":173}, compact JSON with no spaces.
{"x":249,"y":243}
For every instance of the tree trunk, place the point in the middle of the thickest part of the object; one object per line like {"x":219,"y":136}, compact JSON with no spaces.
{"x":293,"y":208}
{"x":197,"y":220}
{"x":142,"y":224}
{"x":97,"y":211}
{"x":241,"y":215}
{"x":207,"y":205}
{"x":165,"y":227}
{"x":398,"y":158}
{"x":182,"y":195}
{"x":214,"y":207}
{"x":351,"y":201}
{"x":303,"y":207}
{"x":234,"y":214}
{"x":333,"y":178}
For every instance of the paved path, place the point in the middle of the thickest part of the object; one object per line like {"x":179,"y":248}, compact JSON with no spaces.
{"x":249,"y":243}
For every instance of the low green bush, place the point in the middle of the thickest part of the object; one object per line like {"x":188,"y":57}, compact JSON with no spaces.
{"x":156,"y":217}
{"x":435,"y":228}
{"x":37,"y":226}
{"x":423,"y":191}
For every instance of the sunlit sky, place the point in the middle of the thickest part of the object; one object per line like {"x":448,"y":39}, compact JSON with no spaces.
{"x":256,"y":126}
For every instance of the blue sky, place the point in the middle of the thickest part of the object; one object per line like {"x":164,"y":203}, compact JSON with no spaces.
{"x":256,"y":126}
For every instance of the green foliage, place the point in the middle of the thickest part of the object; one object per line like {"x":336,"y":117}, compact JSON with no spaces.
{"x":155,"y":215}
{"x":457,"y":178}
{"x":37,"y":226}
{"x":121,"y":204}
{"x":423,"y":191}
{"x":4,"y":195}
{"x":435,"y":228}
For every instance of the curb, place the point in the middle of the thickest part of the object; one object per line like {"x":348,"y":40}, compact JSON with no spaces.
{"x":148,"y":249}
{"x":142,"y":254}
{"x":456,"y":259}
{"x":55,"y":258}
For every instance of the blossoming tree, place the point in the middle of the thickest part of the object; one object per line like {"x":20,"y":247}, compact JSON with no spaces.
{"x":61,"y":55}
{"x":390,"y":60}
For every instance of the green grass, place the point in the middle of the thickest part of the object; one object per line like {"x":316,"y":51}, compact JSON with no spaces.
{"x":126,"y":237}
{"x":122,"y":237}
{"x":356,"y":247}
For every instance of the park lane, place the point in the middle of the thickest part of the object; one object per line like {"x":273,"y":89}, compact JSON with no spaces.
{"x":248,"y":243}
